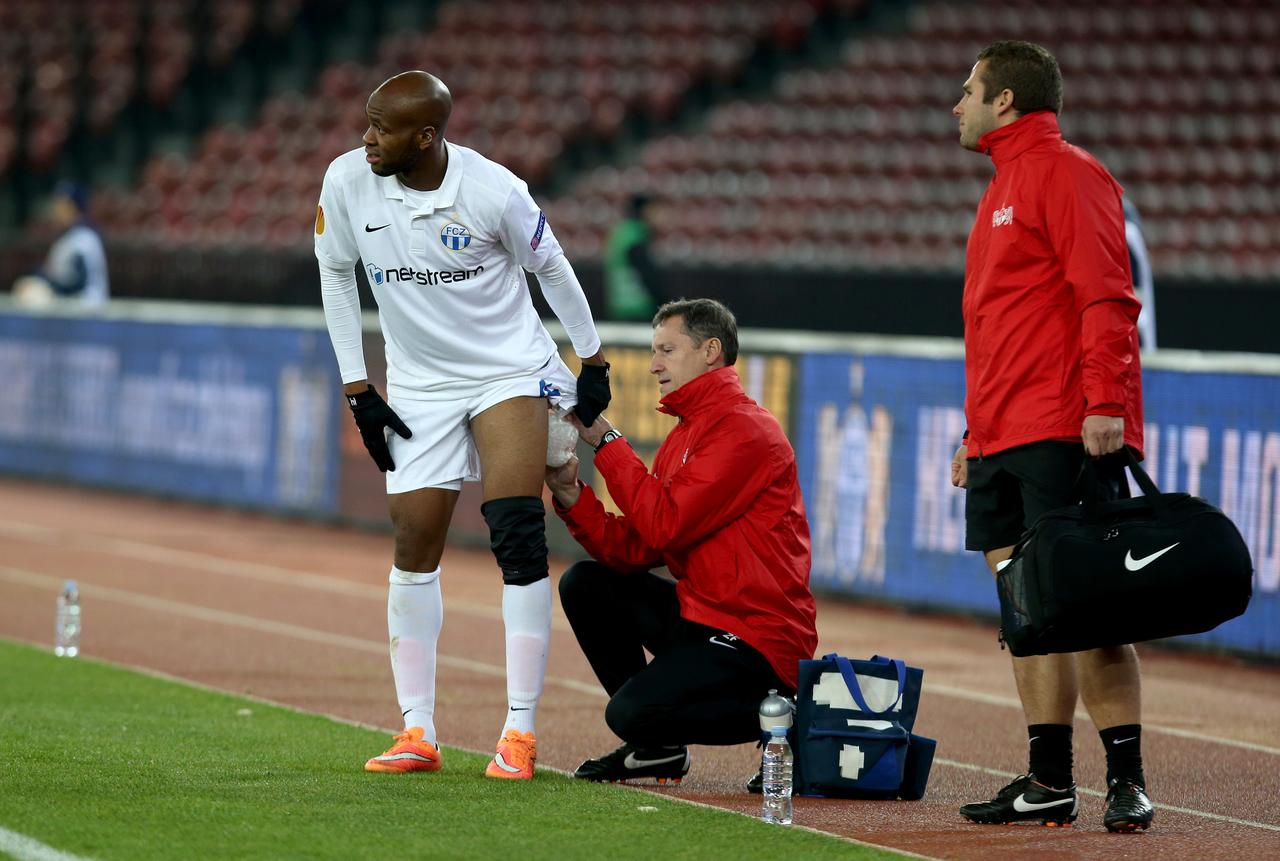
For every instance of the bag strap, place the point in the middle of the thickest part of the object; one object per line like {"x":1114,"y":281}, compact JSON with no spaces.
{"x":851,"y":681}
{"x":1088,"y":484}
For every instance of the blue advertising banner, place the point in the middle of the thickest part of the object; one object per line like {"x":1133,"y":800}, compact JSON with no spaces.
{"x":227,"y":413}
{"x":875,"y":435}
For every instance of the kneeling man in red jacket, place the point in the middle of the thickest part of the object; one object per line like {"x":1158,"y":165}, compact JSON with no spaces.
{"x":722,"y":511}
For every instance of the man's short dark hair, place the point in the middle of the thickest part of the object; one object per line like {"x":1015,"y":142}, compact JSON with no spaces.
{"x":1028,"y":70}
{"x":703,"y":319}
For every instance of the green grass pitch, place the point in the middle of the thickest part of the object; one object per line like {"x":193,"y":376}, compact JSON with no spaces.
{"x":112,"y":764}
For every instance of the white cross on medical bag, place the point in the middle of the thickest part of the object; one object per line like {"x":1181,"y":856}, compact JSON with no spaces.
{"x":852,"y":736}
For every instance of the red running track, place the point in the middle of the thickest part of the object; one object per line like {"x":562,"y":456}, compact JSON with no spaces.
{"x":295,"y":613}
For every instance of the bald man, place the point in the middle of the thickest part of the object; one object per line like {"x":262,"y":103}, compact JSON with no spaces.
{"x":444,"y":236}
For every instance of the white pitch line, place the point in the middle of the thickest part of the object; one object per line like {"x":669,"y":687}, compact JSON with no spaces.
{"x":281,"y":576}
{"x":25,"y":848}
{"x":254,"y":623}
{"x":194,"y":560}
{"x":1084,"y":790}
{"x":1014,"y":703}
{"x":267,"y":626}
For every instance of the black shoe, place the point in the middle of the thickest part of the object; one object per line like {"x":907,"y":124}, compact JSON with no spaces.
{"x":1025,"y":800}
{"x":756,"y":784}
{"x":1128,"y":807}
{"x":663,"y":764}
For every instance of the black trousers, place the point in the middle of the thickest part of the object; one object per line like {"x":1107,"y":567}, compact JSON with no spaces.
{"x":703,"y":686}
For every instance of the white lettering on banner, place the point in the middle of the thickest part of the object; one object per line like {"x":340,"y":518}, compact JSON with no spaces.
{"x":938,"y":524}
{"x":852,"y":761}
{"x":1249,"y":489}
{"x":80,"y":398}
{"x":1175,"y":457}
{"x":879,"y":693}
{"x":851,"y":507}
{"x":305,"y":417}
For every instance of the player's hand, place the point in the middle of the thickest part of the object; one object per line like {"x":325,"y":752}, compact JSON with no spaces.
{"x":373,"y":417}
{"x":593,"y":392}
{"x":1102,"y":434}
{"x":960,"y":467}
{"x":562,"y":481}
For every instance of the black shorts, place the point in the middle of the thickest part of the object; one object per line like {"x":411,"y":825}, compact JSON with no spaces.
{"x":1009,"y":490}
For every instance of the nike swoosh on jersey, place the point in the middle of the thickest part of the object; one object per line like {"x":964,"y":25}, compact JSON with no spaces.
{"x":368,"y":229}
{"x":719,"y":642}
{"x":1132,"y":564}
{"x":632,"y":762}
{"x":1021,"y":804}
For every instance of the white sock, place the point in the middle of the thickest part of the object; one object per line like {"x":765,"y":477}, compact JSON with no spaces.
{"x":415,"y":613}
{"x":526,"y":613}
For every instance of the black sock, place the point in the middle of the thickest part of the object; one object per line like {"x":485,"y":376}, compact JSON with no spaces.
{"x":1051,"y":754}
{"x":1124,"y":753}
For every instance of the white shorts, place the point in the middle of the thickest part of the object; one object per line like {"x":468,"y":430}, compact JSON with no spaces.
{"x":442,"y":452}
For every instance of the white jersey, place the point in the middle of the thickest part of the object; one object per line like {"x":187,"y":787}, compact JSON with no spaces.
{"x":77,"y":265}
{"x":445,"y":267}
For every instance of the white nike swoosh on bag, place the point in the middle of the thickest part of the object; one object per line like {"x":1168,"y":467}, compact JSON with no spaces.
{"x":1021,"y":805}
{"x":1132,"y":564}
{"x":632,"y":762}
{"x":502,"y":764}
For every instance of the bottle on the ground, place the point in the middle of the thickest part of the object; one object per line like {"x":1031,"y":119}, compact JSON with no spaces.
{"x":66,"y":639}
{"x":777,"y":763}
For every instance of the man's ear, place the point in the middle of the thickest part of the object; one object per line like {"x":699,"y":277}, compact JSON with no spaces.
{"x":714,"y":349}
{"x":1003,"y":102}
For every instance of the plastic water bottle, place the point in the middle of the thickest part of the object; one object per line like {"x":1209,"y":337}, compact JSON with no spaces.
{"x":777,"y":764}
{"x":66,"y":639}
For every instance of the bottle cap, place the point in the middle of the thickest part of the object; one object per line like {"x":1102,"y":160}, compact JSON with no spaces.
{"x":775,"y":711}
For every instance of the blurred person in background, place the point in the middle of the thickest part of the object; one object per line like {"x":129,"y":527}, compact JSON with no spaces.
{"x":630,"y":277}
{"x":722,"y":510}
{"x":1143,"y":283}
{"x":1052,"y":377}
{"x":76,"y":266}
{"x":444,"y":235}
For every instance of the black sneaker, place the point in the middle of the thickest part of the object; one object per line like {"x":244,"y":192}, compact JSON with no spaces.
{"x":1128,"y":807}
{"x":663,"y":764}
{"x":756,"y":784}
{"x":1025,"y":800}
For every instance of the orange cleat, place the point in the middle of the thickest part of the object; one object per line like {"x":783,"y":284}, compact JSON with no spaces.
{"x":515,"y":756}
{"x":409,"y":753}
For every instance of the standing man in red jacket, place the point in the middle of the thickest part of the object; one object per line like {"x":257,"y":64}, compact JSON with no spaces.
{"x":1052,"y":376}
{"x":722,"y":511}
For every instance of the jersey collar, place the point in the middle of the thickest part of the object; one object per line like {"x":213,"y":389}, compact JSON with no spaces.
{"x":443,"y":197}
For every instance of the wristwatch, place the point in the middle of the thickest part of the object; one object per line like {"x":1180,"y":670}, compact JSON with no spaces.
{"x":609,"y":436}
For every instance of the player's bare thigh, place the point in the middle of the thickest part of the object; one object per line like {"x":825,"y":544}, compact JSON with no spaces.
{"x":511,"y":439}
{"x":421,"y":522}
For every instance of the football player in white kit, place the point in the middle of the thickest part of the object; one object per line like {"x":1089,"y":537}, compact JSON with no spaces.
{"x":444,"y":235}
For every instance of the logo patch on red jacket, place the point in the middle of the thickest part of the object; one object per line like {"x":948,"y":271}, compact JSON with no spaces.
{"x":1002,"y":216}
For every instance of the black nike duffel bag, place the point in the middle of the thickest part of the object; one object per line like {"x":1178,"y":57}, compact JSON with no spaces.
{"x":1107,"y":573}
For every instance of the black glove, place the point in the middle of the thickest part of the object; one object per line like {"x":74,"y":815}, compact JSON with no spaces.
{"x":593,"y":392}
{"x":373,"y":417}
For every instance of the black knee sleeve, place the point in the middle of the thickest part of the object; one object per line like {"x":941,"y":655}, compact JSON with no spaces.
{"x":518,"y":537}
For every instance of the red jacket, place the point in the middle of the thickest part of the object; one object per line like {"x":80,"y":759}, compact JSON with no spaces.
{"x":722,"y":510}
{"x":1050,"y":317}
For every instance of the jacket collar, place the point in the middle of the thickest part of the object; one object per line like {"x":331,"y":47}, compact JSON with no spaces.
{"x":1008,"y":142}
{"x":704,"y":392}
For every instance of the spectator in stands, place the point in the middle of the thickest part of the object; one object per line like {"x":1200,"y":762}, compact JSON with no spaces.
{"x":722,"y":511}
{"x":630,"y":278}
{"x":443,"y":234}
{"x":1052,"y":373}
{"x":76,"y":267}
{"x":1143,"y":284}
